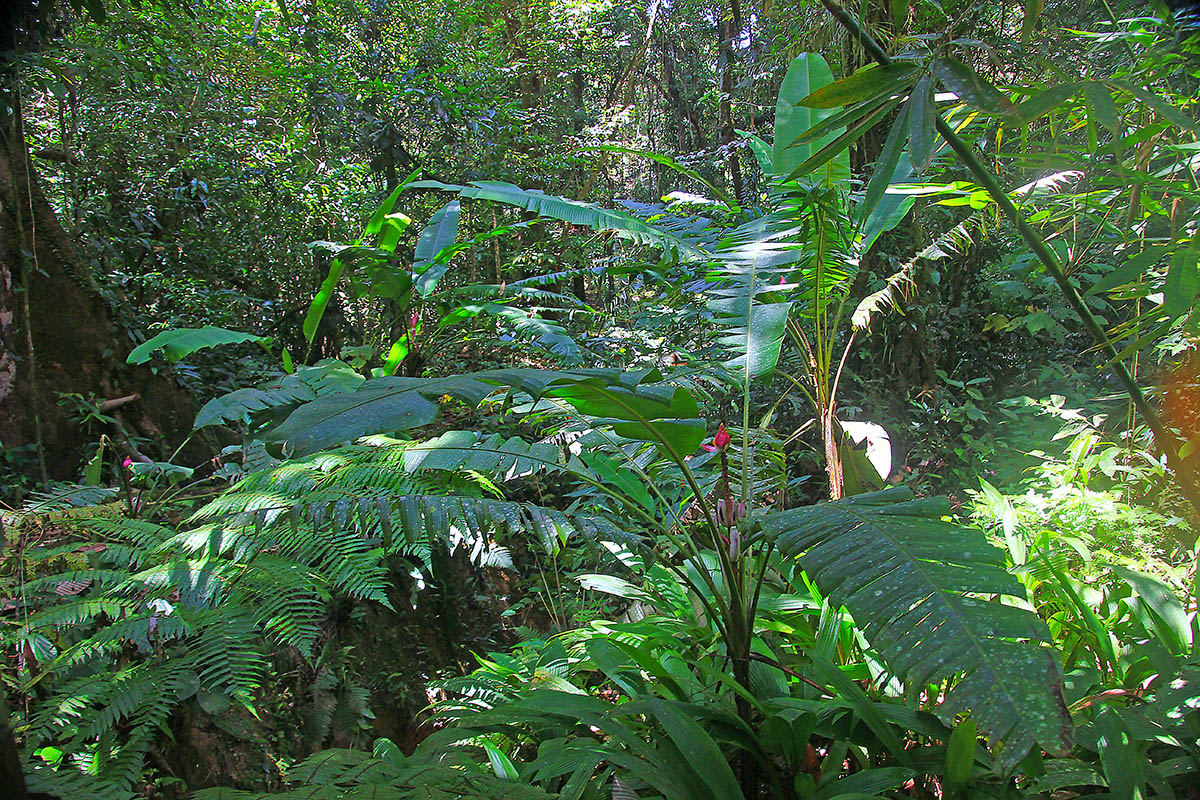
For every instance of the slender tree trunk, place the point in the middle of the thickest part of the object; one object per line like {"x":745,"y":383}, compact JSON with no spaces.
{"x":730,"y":30}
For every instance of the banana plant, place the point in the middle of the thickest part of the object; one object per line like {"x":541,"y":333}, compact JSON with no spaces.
{"x":785,"y":276}
{"x":420,"y":308}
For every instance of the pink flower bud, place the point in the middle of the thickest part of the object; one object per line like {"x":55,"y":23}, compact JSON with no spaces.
{"x":722,"y":439}
{"x":729,"y":513}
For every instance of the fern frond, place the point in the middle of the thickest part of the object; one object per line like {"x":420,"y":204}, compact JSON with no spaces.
{"x":60,"y":498}
{"x":73,"y":783}
{"x":227,"y":651}
{"x":78,"y":612}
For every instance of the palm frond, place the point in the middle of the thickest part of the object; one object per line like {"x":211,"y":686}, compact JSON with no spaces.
{"x":572,"y":211}
{"x":280,"y":394}
{"x":919,"y":588}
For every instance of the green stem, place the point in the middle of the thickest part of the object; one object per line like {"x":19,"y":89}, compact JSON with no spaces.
{"x":1185,"y":475}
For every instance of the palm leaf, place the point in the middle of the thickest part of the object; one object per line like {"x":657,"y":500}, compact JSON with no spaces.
{"x":639,"y":409}
{"x":288,"y":391}
{"x":571,"y":211}
{"x":914,"y":583}
{"x":182,"y":342}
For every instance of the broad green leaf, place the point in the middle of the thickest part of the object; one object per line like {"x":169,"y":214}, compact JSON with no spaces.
{"x":337,"y":268}
{"x":392,"y":403}
{"x":843,"y":118}
{"x":885,"y":167}
{"x":182,"y":342}
{"x":922,"y":119}
{"x":1033,"y":9}
{"x":1134,"y":268}
{"x":960,"y":754}
{"x":325,"y":377}
{"x":864,"y":707}
{"x":891,"y":208}
{"x":1183,"y":281}
{"x":1123,"y":759}
{"x":91,"y":472}
{"x":1101,"y":107}
{"x":807,"y":73}
{"x":762,"y":151}
{"x":1044,"y":102}
{"x":869,"y":783}
{"x":697,"y":747}
{"x":430,"y":257}
{"x":502,"y":765}
{"x":571,"y":211}
{"x":547,"y":333}
{"x":396,"y":355}
{"x":1168,"y":619}
{"x":753,"y":261}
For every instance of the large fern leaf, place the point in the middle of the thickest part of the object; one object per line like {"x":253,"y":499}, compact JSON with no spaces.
{"x":919,"y":586}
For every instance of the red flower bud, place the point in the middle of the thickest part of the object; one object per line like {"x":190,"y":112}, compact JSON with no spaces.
{"x":722,"y":439}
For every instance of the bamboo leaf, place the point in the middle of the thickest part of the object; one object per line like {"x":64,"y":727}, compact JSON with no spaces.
{"x":1101,"y":107}
{"x":922,"y":116}
{"x":885,"y":167}
{"x":867,"y":82}
{"x":842,"y":143}
{"x":1044,"y":102}
{"x":1183,"y":281}
{"x":972,"y":88}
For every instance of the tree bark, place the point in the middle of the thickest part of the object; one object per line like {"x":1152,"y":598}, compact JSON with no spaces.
{"x":56,"y":333}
